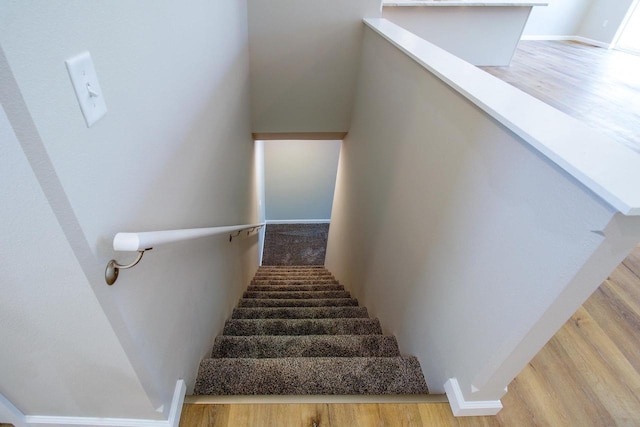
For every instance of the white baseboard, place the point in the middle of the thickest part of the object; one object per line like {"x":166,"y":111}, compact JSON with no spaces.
{"x":592,"y":42}
{"x":547,"y":37}
{"x":173,"y":420}
{"x":176,"y":404}
{"x":572,"y":38}
{"x":9,"y":413}
{"x":473,"y":408}
{"x":298,"y":221}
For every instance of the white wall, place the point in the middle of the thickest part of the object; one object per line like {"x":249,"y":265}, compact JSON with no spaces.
{"x":602,"y":20}
{"x":468,"y":244}
{"x":304,"y":59}
{"x":58,"y":344}
{"x":559,"y":18}
{"x":173,"y":151}
{"x":261,"y":194}
{"x":479,"y":35}
{"x":300,"y":178}
{"x":594,"y":21}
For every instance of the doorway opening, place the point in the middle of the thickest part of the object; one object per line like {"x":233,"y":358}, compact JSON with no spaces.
{"x":298,"y":183}
{"x":629,"y":38}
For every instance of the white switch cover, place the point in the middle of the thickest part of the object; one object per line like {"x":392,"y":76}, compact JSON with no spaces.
{"x":88,"y":91}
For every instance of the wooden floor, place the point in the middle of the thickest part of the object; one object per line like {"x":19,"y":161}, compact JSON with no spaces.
{"x":324,"y":415}
{"x":598,"y":86}
{"x":588,"y":374}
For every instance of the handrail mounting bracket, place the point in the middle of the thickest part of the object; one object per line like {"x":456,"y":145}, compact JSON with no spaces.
{"x":113,"y":268}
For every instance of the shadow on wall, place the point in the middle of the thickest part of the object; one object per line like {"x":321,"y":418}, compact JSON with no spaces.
{"x":295,"y":244}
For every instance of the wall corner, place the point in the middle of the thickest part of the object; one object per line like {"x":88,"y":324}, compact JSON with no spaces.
{"x":468,"y":408}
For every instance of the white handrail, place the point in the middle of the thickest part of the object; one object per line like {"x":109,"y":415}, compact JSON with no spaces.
{"x":149,"y":239}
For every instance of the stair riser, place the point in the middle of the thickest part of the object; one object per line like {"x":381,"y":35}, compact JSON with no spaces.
{"x":313,"y":273}
{"x":294,"y":277}
{"x":297,"y":295}
{"x":305,"y":346}
{"x":293,"y":273}
{"x":319,"y":302}
{"x":296,"y":271}
{"x":244,"y":327}
{"x":281,"y":288}
{"x":314,"y":375}
{"x":292,"y":282}
{"x":300,"y":313}
{"x":299,"y":271}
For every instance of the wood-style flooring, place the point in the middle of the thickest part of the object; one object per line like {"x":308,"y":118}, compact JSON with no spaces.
{"x":588,"y":374}
{"x":325,"y":415}
{"x":598,"y":86}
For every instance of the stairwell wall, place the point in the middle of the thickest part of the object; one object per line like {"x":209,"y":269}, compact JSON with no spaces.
{"x":173,"y":151}
{"x":470,"y":246}
{"x":304,"y":61}
{"x":300,"y":178}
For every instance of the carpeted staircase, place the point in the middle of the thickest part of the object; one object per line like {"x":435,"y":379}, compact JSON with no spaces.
{"x":296,"y":331}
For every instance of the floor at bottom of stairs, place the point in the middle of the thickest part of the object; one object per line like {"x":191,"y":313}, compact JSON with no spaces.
{"x":327,"y":415}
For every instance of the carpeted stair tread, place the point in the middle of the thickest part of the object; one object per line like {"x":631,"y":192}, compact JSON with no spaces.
{"x":311,"y":375}
{"x":283,"y":302}
{"x":299,"y":312}
{"x":292,"y":278}
{"x":297,"y":273}
{"x":279,"y":288}
{"x":340,"y":326}
{"x":292,"y":267}
{"x":321,"y":273}
{"x":298,"y":331}
{"x":297,"y":294}
{"x":294,"y":282}
{"x":280,"y":272}
{"x":268,"y":346}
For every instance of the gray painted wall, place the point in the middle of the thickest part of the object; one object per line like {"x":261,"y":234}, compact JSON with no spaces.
{"x":468,"y":244}
{"x":300,"y":178}
{"x":173,"y":151}
{"x":603,"y":19}
{"x":560,"y":17}
{"x":597,"y":20}
{"x":304,"y":62}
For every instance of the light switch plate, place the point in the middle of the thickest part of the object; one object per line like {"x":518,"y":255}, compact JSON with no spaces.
{"x":88,"y":91}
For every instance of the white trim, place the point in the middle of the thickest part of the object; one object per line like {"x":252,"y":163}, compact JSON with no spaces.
{"x":298,"y":221}
{"x":546,"y":37}
{"x":592,"y":42}
{"x":571,"y":38}
{"x":9,"y":413}
{"x":262,"y":238}
{"x":472,"y":408}
{"x":173,"y":420}
{"x":623,"y":26}
{"x":176,"y":403}
{"x":93,"y":421}
{"x":464,"y":3}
